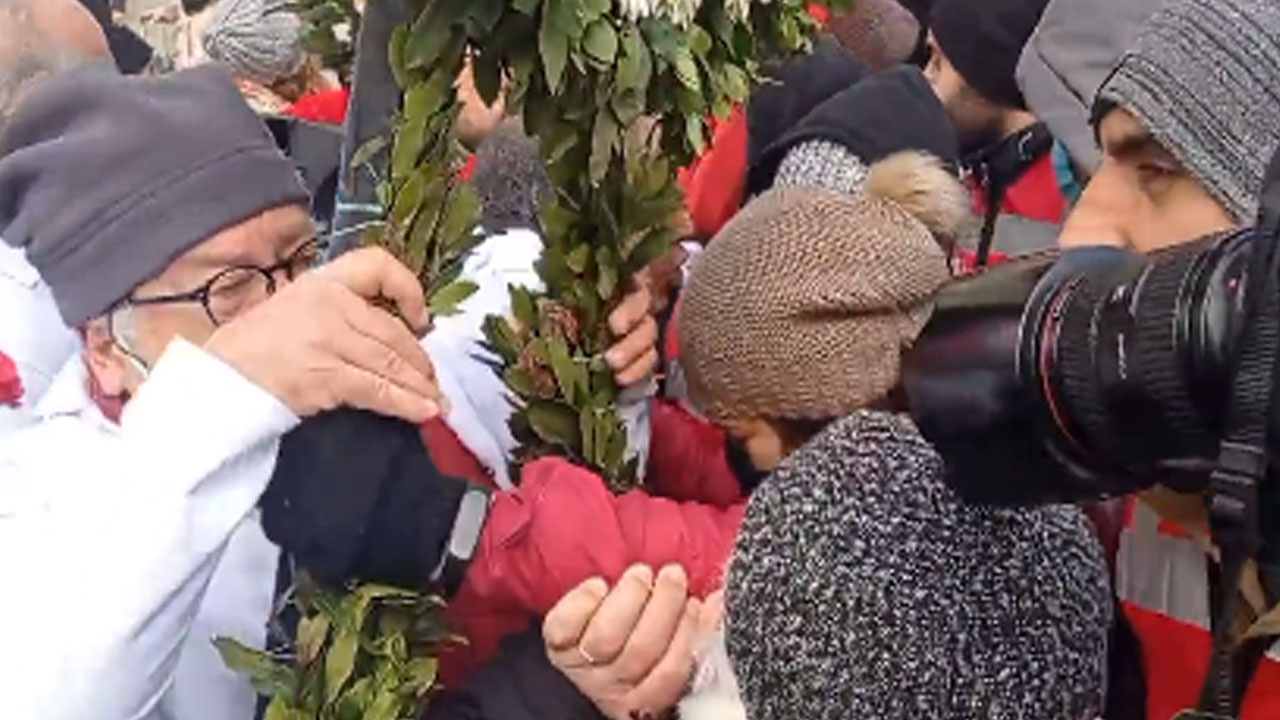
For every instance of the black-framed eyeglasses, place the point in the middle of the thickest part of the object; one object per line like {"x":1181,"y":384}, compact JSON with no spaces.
{"x":236,"y":289}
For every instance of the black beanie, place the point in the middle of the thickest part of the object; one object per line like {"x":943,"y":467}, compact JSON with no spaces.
{"x":983,"y":40}
{"x":105,"y":179}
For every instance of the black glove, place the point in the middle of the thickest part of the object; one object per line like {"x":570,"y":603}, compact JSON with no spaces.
{"x":356,"y":496}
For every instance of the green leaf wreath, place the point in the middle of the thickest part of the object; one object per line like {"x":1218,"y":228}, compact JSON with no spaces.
{"x":619,"y":94}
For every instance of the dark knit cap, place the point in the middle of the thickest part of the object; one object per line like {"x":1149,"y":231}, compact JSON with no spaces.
{"x":1201,"y":78}
{"x":983,"y":40}
{"x":105,"y":179}
{"x":884,"y":114}
{"x":861,"y":587}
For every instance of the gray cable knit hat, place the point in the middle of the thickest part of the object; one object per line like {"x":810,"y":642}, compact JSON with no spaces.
{"x":105,"y":179}
{"x":861,"y":587}
{"x":1201,"y":77}
{"x":258,"y":39}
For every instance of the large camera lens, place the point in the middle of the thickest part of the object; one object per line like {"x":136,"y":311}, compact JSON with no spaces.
{"x":1091,"y":374}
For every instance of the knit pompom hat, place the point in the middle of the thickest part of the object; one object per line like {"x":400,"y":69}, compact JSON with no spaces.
{"x":1200,"y":78}
{"x":862,"y":587}
{"x":260,"y":40}
{"x":801,"y":306}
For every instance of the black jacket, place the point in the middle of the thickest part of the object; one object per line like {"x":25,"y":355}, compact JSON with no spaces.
{"x":356,"y":495}
{"x":520,"y":684}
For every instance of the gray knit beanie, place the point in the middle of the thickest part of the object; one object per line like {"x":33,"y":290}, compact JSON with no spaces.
{"x":1201,"y":77}
{"x":105,"y":179}
{"x":257,"y":39}
{"x":862,"y":587}
{"x":510,"y":179}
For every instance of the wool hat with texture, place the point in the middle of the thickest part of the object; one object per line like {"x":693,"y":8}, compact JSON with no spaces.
{"x":861,"y":586}
{"x":1201,"y":78}
{"x":105,"y":179}
{"x":983,"y":40}
{"x":258,"y":39}
{"x":880,"y":32}
{"x":803,"y":303}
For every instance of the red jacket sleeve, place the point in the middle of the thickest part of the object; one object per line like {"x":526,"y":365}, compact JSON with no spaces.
{"x":687,"y":459}
{"x":714,"y":183}
{"x":563,"y":526}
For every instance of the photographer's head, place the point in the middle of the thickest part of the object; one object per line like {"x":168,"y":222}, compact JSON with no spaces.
{"x":153,"y":208}
{"x":1186,"y":124}
{"x":798,"y":311}
{"x":973,"y":53}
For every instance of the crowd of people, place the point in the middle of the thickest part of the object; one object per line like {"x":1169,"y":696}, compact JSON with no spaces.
{"x":198,"y":394}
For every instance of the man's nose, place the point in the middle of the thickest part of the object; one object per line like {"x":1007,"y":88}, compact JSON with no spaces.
{"x":1102,"y":215}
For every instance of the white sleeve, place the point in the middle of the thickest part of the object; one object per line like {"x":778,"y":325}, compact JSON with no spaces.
{"x":108,"y":540}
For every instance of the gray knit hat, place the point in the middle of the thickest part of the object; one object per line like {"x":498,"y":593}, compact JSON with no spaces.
{"x":105,"y":179}
{"x":861,"y":587}
{"x":510,"y":179}
{"x":1201,"y":77}
{"x":801,"y":306}
{"x":258,"y":39}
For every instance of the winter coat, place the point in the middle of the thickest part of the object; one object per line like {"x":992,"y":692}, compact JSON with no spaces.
{"x":558,"y":528}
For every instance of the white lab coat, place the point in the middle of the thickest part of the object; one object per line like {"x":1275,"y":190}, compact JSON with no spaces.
{"x":125,"y":549}
{"x":110,"y":536}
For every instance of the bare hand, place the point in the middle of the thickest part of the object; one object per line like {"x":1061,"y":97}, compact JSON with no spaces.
{"x":630,"y":650}
{"x":319,"y":344}
{"x":634,"y":356}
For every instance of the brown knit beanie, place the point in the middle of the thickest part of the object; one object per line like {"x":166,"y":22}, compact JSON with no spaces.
{"x":801,"y":306}
{"x":881,"y":33}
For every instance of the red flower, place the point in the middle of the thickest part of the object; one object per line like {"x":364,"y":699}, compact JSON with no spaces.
{"x":10,"y":383}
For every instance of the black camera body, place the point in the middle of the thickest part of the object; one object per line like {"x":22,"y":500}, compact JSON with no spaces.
{"x":1087,"y":374}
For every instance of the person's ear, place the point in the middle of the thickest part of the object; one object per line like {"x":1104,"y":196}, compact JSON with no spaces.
{"x":105,"y":361}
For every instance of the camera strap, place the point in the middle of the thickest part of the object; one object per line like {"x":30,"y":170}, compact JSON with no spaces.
{"x":1243,"y":455}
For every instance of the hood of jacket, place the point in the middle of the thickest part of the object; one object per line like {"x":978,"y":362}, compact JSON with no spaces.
{"x":1070,"y":54}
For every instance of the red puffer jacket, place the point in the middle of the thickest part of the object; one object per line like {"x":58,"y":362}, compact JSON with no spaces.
{"x":563,"y":526}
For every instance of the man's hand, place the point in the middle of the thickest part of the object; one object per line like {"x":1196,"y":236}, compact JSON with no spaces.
{"x":319,"y":344}
{"x":630,"y":650}
{"x":634,"y":356}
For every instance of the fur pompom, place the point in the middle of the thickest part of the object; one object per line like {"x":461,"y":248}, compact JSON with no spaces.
{"x":918,"y":183}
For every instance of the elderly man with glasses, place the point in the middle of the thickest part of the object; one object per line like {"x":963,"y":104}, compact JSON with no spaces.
{"x":174,"y":237}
